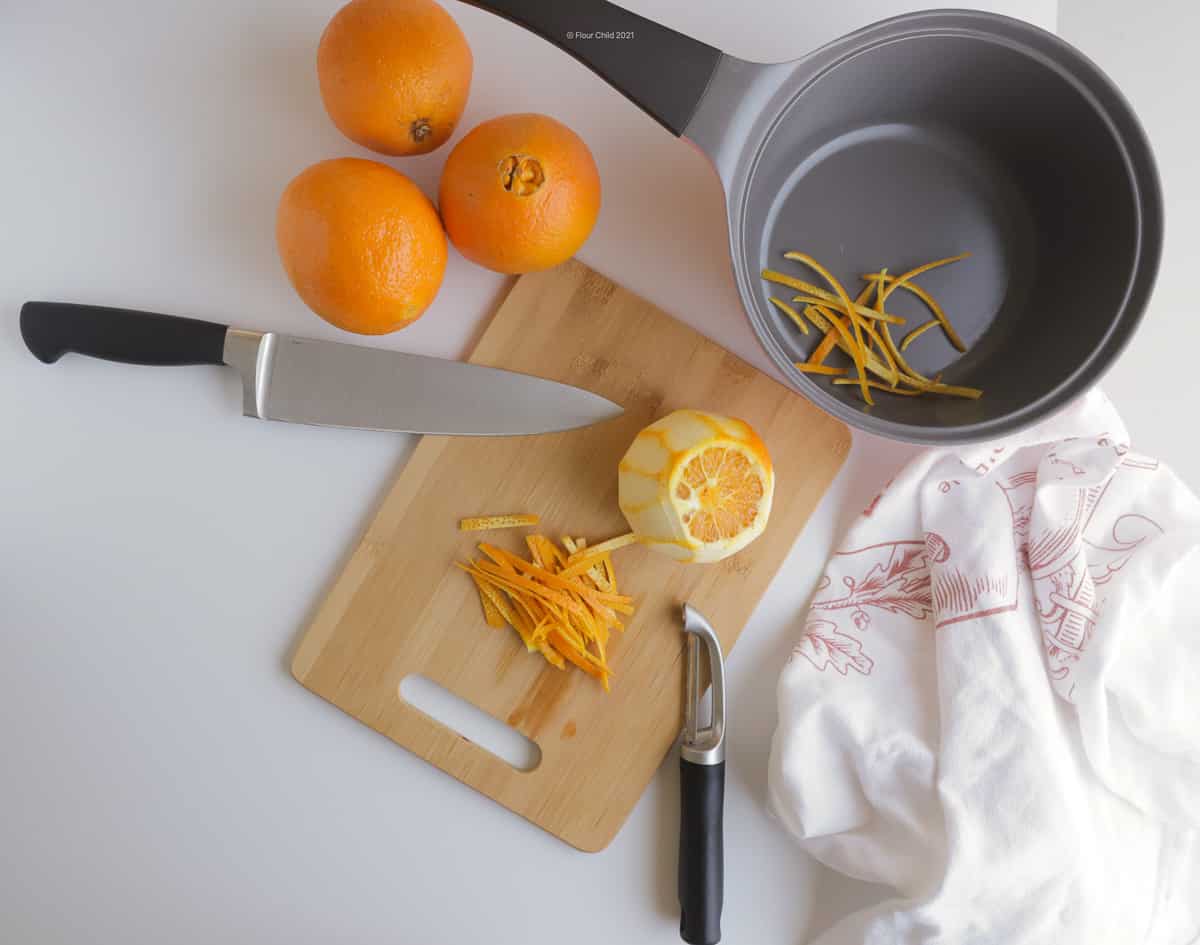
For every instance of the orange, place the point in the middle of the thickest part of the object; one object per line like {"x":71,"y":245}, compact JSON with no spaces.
{"x":696,"y":486}
{"x":361,"y":244}
{"x":394,"y":74}
{"x":519,"y":193}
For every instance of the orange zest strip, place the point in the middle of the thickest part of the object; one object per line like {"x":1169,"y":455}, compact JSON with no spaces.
{"x":823,"y":295}
{"x":829,"y":342}
{"x":864,"y":333}
{"x":856,"y":321}
{"x":875,"y":385}
{"x":930,"y":303}
{"x":866,"y":326}
{"x":917,"y":333}
{"x":611,"y":544}
{"x":880,"y":298}
{"x":491,"y":612}
{"x":845,"y":341}
{"x":821,"y":351}
{"x":950,"y":390}
{"x":904,"y":280}
{"x":562,"y":605}
{"x":487,"y":522}
{"x":790,"y":313}
{"x":583,"y":565}
{"x":898,"y":281}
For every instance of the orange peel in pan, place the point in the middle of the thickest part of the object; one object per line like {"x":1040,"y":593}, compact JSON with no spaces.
{"x":864,"y":333}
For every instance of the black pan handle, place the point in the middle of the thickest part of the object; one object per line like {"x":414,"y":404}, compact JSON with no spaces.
{"x":701,"y":851}
{"x":51,"y":329}
{"x":658,"y":69}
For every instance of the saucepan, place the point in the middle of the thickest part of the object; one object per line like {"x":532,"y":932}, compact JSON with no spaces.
{"x":916,"y":138}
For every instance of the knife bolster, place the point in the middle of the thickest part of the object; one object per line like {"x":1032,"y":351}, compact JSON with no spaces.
{"x":250,"y":353}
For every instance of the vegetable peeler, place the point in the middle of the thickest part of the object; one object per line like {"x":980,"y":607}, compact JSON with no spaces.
{"x":702,"y":790}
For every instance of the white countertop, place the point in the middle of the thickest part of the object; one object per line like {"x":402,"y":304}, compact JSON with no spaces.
{"x":164,"y":777}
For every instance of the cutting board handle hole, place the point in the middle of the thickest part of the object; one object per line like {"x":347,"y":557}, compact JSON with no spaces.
{"x":470,"y":722}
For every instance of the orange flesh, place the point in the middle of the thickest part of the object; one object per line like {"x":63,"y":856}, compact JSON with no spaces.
{"x":728,"y":490}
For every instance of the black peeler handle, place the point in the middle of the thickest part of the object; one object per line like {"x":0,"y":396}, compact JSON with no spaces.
{"x":701,"y":851}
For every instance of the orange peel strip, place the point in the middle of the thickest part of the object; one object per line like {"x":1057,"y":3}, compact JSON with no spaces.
{"x":917,"y":333}
{"x":930,"y":303}
{"x":875,"y":385}
{"x":612,"y":544}
{"x":821,"y":351}
{"x":829,"y":342}
{"x":561,"y":607}
{"x":790,"y":313}
{"x":584,"y":565}
{"x":950,"y":390}
{"x":806,"y":368}
{"x":485,"y":523}
{"x":824,"y":296}
{"x":904,"y":280}
{"x":491,"y":613}
{"x":859,"y":353}
{"x":891,"y":364}
{"x":891,"y":345}
{"x":845,"y":342}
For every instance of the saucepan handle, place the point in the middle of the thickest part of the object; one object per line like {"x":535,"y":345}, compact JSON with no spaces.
{"x":662,"y":71}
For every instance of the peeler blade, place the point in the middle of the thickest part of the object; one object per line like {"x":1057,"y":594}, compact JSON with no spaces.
{"x":703,"y":744}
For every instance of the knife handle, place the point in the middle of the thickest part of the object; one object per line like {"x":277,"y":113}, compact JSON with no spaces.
{"x":701,"y":851}
{"x":51,"y":329}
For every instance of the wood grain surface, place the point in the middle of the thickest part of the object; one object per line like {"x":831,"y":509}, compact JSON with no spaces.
{"x":401,"y":607}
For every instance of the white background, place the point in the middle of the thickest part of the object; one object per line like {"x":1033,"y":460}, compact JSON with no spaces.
{"x":163,"y":777}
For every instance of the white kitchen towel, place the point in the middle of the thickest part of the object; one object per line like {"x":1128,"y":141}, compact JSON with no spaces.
{"x":994,"y":704}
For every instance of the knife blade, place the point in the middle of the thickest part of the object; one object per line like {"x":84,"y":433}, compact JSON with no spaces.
{"x":326,"y":383}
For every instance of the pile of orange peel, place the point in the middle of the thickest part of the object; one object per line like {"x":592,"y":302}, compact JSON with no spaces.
{"x":862,"y":330}
{"x":562,"y":602}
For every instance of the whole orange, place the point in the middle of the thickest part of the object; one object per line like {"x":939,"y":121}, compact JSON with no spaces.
{"x":361,"y":244}
{"x":394,"y":74}
{"x":519,"y":193}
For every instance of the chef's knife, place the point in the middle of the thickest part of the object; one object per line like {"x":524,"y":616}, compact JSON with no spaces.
{"x":321,"y":382}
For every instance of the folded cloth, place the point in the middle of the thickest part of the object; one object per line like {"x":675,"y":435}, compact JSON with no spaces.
{"x":994,"y":704}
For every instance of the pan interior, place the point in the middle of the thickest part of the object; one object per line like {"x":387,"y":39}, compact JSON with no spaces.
{"x":933,"y":145}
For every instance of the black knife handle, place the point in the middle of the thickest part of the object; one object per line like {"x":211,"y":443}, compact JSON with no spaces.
{"x":51,"y":329}
{"x":701,"y":851}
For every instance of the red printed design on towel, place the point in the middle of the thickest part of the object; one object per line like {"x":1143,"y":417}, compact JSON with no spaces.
{"x":892,"y":577}
{"x":824,"y":646}
{"x":1070,"y":591}
{"x":1069,"y":569}
{"x":896,"y":580}
{"x":959,"y":595}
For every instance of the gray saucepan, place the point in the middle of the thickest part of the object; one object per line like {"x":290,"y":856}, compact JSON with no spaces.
{"x":913,"y":139}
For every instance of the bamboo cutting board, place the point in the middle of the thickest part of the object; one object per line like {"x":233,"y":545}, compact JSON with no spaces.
{"x":400,"y":607}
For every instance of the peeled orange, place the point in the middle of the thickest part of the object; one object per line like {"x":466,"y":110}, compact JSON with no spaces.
{"x":361,"y":244}
{"x":696,"y":486}
{"x":519,"y":193}
{"x":394,"y":74}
